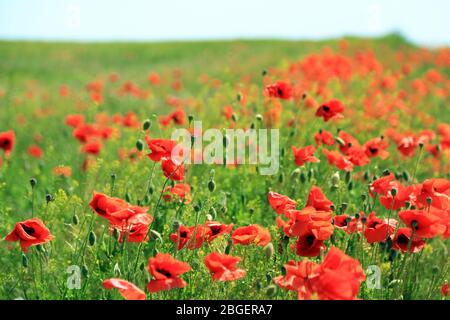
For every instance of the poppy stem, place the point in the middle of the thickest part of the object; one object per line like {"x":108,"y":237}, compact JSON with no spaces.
{"x":417,"y":163}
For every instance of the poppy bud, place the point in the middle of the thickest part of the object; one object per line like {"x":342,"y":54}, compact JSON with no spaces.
{"x":350,"y":186}
{"x":363,"y":197}
{"x":414,"y":224}
{"x":251,"y":211}
{"x":252,"y":125}
{"x":238,"y":97}
{"x":348,"y":176}
{"x":229,"y":246}
{"x":420,"y":145}
{"x":311,"y":173}
{"x":268,"y":250}
{"x":209,"y":217}
{"x":407,"y":204}
{"x":127,"y":197}
{"x":332,"y":208}
{"x":398,"y":175}
{"x":259,"y":117}
{"x":155,"y":235}
{"x":139,"y":145}
{"x":405,"y":175}
{"x":176,"y":225}
{"x":142,"y":266}
{"x":344,"y":206}
{"x":113,"y":177}
{"x":357,"y":216}
{"x":302,"y":177}
{"x":271,"y":290}
{"x":197,"y":208}
{"x":281,"y":178}
{"x":75,"y":219}
{"x":339,"y":140}
{"x":394,"y":192}
{"x":211,"y":185}
{"x":85,"y":271}
{"x":24,"y":261}
{"x":429,"y":200}
{"x":92,"y":238}
{"x":364,"y":220}
{"x":151,"y":189}
{"x":48,"y":197}
{"x":147,"y":124}
{"x":116,"y":233}
{"x":335,"y":179}
{"x":435,"y":269}
{"x":33,"y":182}
{"x":234,"y":117}
{"x":366,"y":175}
{"x":304,"y":95}
{"x":258,"y":285}
{"x":117,"y":270}
{"x":264,"y":73}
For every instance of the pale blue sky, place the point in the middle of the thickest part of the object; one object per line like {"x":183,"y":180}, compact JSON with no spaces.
{"x":424,"y":22}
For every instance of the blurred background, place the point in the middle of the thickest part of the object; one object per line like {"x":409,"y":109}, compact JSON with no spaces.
{"x":423,"y":22}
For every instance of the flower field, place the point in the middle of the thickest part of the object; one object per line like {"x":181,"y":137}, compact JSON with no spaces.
{"x":95,"y":205}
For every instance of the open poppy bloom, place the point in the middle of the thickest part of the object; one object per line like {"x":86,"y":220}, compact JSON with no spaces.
{"x":318,"y":200}
{"x":280,"y":203}
{"x":7,"y":141}
{"x":172,"y":169}
{"x":445,"y":290}
{"x":376,"y":148}
{"x":74,"y":120}
{"x":35,"y":151}
{"x":337,"y":159}
{"x":377,"y":229}
{"x":330,"y":110}
{"x":298,"y":274}
{"x":279,"y":89}
{"x":303,"y":155}
{"x":252,"y":234}
{"x":324,"y":137}
{"x":439,"y":192}
{"x":181,"y":191}
{"x":223,"y":267}
{"x":128,"y":290}
{"x":160,"y":148}
{"x":166,"y":272}
{"x":193,"y":236}
{"x":29,"y":233}
{"x":425,"y":224}
{"x":403,"y":237}
{"x":135,"y":229}
{"x":216,"y":229}
{"x":93,"y":147}
{"x":308,"y":245}
{"x":115,"y":210}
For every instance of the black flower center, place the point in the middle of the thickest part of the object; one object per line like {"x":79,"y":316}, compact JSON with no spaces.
{"x":164,"y":272}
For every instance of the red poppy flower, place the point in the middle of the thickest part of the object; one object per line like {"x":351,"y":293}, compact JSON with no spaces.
{"x":403,"y":195}
{"x":339,"y":277}
{"x":318,"y":200}
{"x":376,"y":148}
{"x":166,"y":272}
{"x":445,"y":289}
{"x":280,"y":203}
{"x":128,"y":290}
{"x":330,"y":110}
{"x":337,"y":159}
{"x":403,"y":237}
{"x":377,"y":229}
{"x":357,"y":156}
{"x":383,"y":185}
{"x":439,"y":192}
{"x":182,"y":191}
{"x":160,"y":148}
{"x":308,"y":245}
{"x":74,"y":120}
{"x":252,"y":234}
{"x":7,"y":141}
{"x":154,"y":78}
{"x":223,"y":267}
{"x":193,"y":237}
{"x":324,"y":137}
{"x":303,"y":155}
{"x":85,"y":132}
{"x":425,"y":224}
{"x":92,"y":147}
{"x":172,"y":169}
{"x":407,"y":145}
{"x":228,"y":112}
{"x":354,"y":225}
{"x":279,"y":89}
{"x":216,"y":229}
{"x":297,"y":277}
{"x":30,"y":232}
{"x":135,"y":229}
{"x":346,"y":142}
{"x":115,"y":210}
{"x":35,"y":151}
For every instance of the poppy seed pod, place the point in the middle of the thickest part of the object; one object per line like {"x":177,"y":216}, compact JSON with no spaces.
{"x":176,"y":225}
{"x":33,"y":182}
{"x":234,"y":117}
{"x":364,"y":220}
{"x":139,"y":145}
{"x":259,"y":117}
{"x":386,"y":172}
{"x":394,"y":192}
{"x":85,"y":271}
{"x":113,"y":177}
{"x":335,"y":179}
{"x":209,"y":217}
{"x":429,"y":200}
{"x":75,"y":219}
{"x":350,"y":186}
{"x":147,"y":124}
{"x":269,"y":250}
{"x":252,"y":125}
{"x":92,"y":238}
{"x":264,"y":73}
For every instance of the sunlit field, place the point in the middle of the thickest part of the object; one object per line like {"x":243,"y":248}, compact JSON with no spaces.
{"x":94,"y":206}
